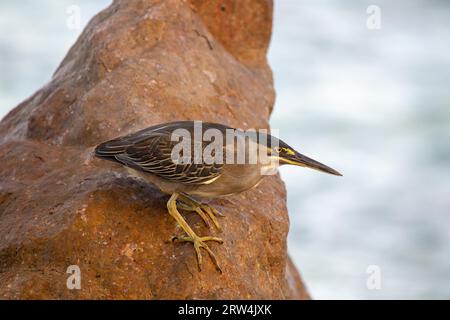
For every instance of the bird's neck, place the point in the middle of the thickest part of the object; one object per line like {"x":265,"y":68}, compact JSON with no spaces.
{"x":271,"y":167}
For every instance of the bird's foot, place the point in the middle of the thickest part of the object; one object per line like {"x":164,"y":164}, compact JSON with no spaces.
{"x":185,"y":207}
{"x":204,"y":210}
{"x":199,"y":242}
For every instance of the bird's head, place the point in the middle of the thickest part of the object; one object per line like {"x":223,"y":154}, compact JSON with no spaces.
{"x":284,"y":154}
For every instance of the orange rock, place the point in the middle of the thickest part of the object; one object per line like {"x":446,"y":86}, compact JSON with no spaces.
{"x":136,"y":64}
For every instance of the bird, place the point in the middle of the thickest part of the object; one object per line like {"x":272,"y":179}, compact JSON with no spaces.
{"x":194,"y":160}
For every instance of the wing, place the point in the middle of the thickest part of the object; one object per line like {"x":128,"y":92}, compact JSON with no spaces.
{"x":150,"y":151}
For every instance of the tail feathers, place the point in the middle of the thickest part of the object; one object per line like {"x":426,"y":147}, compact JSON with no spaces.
{"x":110,"y":149}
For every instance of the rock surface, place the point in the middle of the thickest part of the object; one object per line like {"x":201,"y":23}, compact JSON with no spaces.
{"x":136,"y":64}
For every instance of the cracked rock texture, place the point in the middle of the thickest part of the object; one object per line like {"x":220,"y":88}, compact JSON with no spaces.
{"x":136,"y":64}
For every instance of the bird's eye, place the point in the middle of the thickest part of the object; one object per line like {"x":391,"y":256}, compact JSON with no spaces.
{"x":278,"y":149}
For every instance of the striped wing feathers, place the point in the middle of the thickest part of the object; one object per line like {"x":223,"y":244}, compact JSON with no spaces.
{"x":151,"y":152}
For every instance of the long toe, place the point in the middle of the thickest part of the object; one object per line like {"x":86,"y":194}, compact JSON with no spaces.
{"x":200,"y":212}
{"x":213,"y":258}
{"x":216,"y":212}
{"x":194,"y":205}
{"x":200,"y":242}
{"x":211,"y":212}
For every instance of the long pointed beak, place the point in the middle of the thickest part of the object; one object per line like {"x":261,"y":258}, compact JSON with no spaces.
{"x":299,"y":159}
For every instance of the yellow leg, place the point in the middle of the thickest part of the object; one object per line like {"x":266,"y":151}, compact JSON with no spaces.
{"x":199,"y":242}
{"x":201,"y":208}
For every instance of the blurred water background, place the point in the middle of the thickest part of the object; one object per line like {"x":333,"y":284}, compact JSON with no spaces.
{"x":374,"y":104}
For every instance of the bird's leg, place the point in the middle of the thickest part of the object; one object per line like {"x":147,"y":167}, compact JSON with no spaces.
{"x":199,"y":242}
{"x":191,"y":204}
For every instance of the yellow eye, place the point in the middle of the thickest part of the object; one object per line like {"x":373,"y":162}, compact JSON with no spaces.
{"x":284,"y":150}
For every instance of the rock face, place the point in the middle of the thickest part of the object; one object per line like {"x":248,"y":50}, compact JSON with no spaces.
{"x":136,"y":64}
